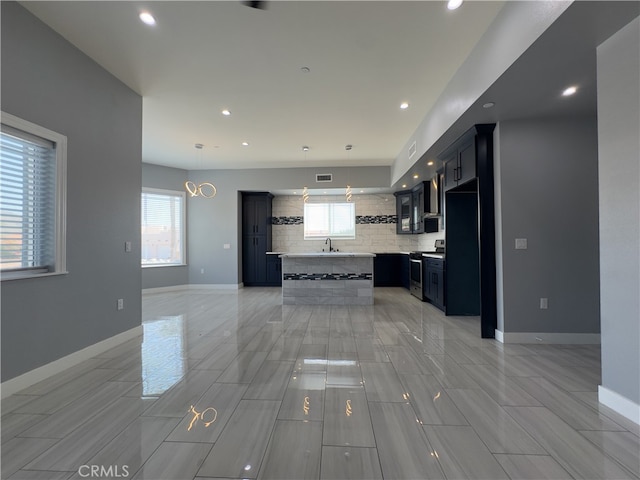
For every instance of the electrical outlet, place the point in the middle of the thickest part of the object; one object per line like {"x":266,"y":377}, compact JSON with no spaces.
{"x":521,"y":243}
{"x":226,"y":246}
{"x":127,"y":247}
{"x":544,"y":303}
{"x":120,"y":304}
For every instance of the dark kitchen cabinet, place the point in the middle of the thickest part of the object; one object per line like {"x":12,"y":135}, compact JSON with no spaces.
{"x":387,"y":270}
{"x":256,"y":213}
{"x":433,"y":281}
{"x":403,"y":211}
{"x":256,"y":237}
{"x":417,"y":208}
{"x":411,"y":206}
{"x":274,"y":270}
{"x":460,"y":164}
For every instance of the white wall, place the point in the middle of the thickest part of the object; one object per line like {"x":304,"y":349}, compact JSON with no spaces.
{"x":370,"y":237}
{"x":619,"y":186}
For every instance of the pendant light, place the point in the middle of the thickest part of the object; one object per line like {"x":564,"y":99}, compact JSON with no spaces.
{"x":305,"y":190}
{"x":204,"y":189}
{"x":348,"y":194}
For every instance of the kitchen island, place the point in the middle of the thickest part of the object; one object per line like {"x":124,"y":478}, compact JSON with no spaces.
{"x":336,"y":278}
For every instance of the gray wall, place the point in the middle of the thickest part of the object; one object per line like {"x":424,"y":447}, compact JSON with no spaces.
{"x":155,"y":176}
{"x":547,"y":182}
{"x":47,"y":81}
{"x":215,"y":222}
{"x":619,"y":177}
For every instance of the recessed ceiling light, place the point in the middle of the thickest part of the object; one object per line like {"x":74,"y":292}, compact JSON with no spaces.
{"x":245,"y":144}
{"x":305,"y":148}
{"x":404,"y":185}
{"x":404,"y":105}
{"x":429,"y":163}
{"x":488,"y":105}
{"x":415,"y":175}
{"x":226,"y":112}
{"x":569,"y":91}
{"x":305,"y":69}
{"x":453,"y":4}
{"x":147,"y":18}
{"x":361,"y":191}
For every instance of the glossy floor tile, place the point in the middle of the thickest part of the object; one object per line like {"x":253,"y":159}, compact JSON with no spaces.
{"x":234,"y":385}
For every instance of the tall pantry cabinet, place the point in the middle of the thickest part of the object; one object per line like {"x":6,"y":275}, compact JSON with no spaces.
{"x":256,"y":237}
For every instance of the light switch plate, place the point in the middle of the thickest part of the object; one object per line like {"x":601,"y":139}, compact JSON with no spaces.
{"x":521,"y":243}
{"x":127,"y":247}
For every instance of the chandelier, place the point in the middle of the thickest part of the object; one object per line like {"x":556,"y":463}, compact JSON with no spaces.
{"x":204,"y":189}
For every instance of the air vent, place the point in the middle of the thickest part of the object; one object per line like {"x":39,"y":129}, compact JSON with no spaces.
{"x":412,"y":149}
{"x":324,"y":177}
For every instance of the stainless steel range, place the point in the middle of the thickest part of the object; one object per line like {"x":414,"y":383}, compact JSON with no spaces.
{"x":416,"y":270}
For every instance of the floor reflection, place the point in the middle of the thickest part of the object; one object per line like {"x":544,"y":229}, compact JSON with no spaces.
{"x":163,"y":355}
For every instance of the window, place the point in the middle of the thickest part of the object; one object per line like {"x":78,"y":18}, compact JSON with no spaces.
{"x":163,"y":232}
{"x":32,"y":199}
{"x":336,"y":220}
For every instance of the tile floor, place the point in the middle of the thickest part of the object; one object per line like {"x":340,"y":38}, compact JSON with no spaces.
{"x":232,"y":385}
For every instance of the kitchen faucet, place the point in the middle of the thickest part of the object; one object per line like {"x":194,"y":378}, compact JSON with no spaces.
{"x":330,"y":247}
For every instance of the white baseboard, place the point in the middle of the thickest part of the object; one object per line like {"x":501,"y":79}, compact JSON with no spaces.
{"x":173,"y":288}
{"x":549,"y":338}
{"x":214,"y":286}
{"x":32,"y":377}
{"x":620,"y":404}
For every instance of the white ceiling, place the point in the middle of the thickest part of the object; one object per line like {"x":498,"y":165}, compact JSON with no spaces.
{"x":365,"y":58}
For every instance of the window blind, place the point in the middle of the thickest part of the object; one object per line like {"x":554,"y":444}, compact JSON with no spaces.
{"x":27,"y":202}
{"x":162,"y":228}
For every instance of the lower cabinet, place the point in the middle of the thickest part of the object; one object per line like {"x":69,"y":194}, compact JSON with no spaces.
{"x":433,"y":282}
{"x":391,"y":270}
{"x":274,"y":270}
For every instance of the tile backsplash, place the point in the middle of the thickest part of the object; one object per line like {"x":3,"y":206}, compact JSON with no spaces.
{"x":375,"y":227}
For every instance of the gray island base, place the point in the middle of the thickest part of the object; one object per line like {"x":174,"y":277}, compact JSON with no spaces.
{"x":327,"y":278}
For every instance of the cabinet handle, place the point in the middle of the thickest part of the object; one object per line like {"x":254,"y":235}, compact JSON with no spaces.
{"x":455,"y":174}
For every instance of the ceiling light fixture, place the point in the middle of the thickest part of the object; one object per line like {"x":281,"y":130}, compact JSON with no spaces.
{"x":453,"y":4}
{"x":569,"y":91}
{"x":489,"y":105}
{"x":404,"y":105}
{"x":415,"y":175}
{"x":305,"y":194}
{"x":245,"y":144}
{"x":305,"y":148}
{"x":305,"y":69}
{"x":204,"y":189}
{"x":226,"y":112}
{"x":147,"y":18}
{"x":429,"y":163}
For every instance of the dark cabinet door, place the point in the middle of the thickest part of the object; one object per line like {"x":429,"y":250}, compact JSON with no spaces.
{"x":466,"y":162}
{"x":274,"y":270}
{"x":403,"y":211}
{"x":254,"y":260}
{"x":256,"y":214}
{"x":433,"y":282}
{"x":451,"y":171}
{"x":460,"y":165}
{"x":417,"y":210}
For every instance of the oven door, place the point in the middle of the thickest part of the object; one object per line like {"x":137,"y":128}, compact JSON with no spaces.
{"x":415,"y":271}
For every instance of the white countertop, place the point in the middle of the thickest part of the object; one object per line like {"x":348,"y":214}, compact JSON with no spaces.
{"x":327,"y":254}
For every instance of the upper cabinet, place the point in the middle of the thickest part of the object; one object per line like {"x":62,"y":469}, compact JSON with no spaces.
{"x":460,"y":164}
{"x":411,"y":207}
{"x":403,"y":211}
